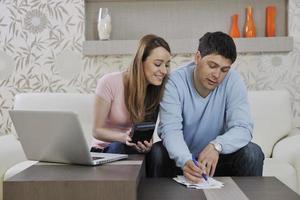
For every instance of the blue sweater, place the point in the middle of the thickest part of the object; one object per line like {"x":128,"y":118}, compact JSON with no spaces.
{"x":188,"y":122}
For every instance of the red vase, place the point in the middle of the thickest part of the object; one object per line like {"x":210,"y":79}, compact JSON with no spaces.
{"x":249,"y":29}
{"x":270,"y":21}
{"x":234,"y":30}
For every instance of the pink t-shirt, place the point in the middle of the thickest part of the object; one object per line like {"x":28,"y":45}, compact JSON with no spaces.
{"x":111,"y":88}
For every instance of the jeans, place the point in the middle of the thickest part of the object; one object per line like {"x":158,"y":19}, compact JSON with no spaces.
{"x":116,"y":147}
{"x":247,"y":161}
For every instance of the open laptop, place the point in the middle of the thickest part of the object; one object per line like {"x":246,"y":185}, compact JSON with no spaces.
{"x":56,"y":136}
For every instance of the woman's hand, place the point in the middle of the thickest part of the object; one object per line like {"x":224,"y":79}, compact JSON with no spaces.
{"x":127,"y":140}
{"x":144,"y":147}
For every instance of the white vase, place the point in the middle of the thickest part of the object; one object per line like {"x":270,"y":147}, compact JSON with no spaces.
{"x":104,"y":24}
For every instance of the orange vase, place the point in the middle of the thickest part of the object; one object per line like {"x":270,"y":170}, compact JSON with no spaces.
{"x":249,"y":29}
{"x":234,"y":30}
{"x":270,"y":21}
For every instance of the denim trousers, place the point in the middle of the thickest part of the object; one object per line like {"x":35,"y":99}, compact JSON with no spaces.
{"x":116,"y":147}
{"x":247,"y":161}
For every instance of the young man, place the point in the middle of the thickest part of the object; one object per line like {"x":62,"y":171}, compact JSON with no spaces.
{"x":205,"y":114}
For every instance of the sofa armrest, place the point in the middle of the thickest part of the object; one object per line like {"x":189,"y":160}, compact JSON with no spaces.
{"x":11,"y":152}
{"x":288,"y":148}
{"x":295,"y":131}
{"x":296,"y":165}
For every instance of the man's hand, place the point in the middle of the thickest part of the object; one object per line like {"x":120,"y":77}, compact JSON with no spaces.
{"x":193,"y":173}
{"x":209,"y":158}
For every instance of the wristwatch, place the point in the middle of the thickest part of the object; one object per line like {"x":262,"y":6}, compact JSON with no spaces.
{"x":217,"y":146}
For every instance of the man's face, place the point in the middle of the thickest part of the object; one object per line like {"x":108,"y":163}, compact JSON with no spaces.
{"x":210,"y":72}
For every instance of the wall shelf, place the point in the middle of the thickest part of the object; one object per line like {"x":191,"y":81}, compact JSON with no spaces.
{"x":181,"y":23}
{"x":244,"y":45}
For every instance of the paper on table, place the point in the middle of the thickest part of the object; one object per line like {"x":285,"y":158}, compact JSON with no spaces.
{"x":209,"y":184}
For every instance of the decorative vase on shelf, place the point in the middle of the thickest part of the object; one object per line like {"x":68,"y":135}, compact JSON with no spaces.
{"x":249,"y":29}
{"x":234,"y":30}
{"x":104,"y":24}
{"x":270,"y":21}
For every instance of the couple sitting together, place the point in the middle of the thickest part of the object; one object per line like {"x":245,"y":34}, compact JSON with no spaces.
{"x":202,"y":106}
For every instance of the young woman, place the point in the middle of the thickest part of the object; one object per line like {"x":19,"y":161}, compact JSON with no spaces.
{"x":131,"y":96}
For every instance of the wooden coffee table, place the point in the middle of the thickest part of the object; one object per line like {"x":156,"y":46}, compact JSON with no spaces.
{"x":124,"y":180}
{"x":45,"y":181}
{"x":235,"y":188}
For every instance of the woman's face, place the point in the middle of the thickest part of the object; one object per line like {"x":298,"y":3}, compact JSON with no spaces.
{"x":156,"y":66}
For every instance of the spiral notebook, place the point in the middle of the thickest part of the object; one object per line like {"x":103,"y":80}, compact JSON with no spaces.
{"x":56,"y":136}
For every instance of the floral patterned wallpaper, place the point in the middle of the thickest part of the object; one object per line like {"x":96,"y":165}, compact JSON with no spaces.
{"x":40,"y":51}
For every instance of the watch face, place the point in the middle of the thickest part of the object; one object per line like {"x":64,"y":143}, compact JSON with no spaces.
{"x":218,"y":147}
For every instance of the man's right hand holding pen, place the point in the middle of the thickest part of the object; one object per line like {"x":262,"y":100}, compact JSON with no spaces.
{"x":209,"y":159}
{"x":194,"y":171}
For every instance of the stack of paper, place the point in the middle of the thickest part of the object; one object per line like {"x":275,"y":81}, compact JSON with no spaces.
{"x":209,"y":184}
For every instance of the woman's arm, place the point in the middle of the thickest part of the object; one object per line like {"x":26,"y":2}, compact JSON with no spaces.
{"x":101,"y":110}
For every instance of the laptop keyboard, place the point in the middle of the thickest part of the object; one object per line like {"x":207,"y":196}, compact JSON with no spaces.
{"x":97,"y":158}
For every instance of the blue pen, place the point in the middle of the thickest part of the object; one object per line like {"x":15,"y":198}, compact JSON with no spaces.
{"x":197,"y":164}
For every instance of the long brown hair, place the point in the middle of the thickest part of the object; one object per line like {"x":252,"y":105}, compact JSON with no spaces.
{"x":142,"y":101}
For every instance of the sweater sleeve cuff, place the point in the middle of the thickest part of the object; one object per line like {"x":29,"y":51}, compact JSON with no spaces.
{"x":181,"y":162}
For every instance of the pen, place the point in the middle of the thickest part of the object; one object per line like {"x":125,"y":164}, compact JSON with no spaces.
{"x":197,"y":164}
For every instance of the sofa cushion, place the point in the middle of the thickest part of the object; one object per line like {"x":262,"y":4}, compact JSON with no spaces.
{"x":287,"y":149}
{"x":15,"y":169}
{"x":11,"y":152}
{"x":271,"y":112}
{"x":282,"y":170}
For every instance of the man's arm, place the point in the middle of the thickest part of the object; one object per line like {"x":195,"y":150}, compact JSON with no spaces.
{"x":238,"y":124}
{"x":170,"y":126}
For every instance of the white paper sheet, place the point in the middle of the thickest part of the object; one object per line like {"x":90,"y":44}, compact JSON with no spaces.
{"x":209,"y":184}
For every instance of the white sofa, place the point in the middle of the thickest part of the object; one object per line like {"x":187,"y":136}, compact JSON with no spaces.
{"x":273,"y":131}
